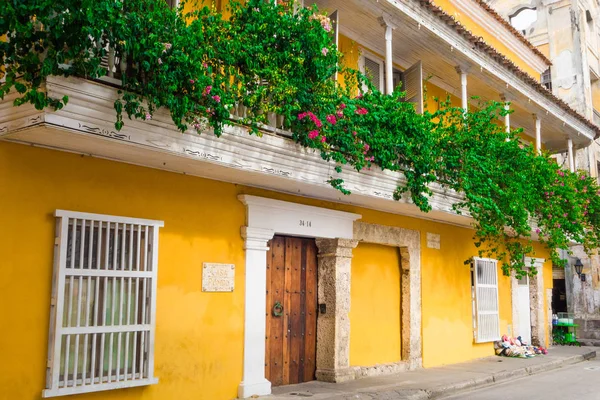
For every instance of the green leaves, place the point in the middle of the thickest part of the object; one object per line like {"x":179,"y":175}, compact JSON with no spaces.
{"x":271,"y":59}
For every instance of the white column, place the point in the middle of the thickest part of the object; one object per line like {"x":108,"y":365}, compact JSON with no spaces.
{"x":389,"y":58}
{"x":255,"y":302}
{"x":463,"y":91}
{"x":571,"y":156}
{"x":538,"y":134}
{"x":507,"y":117}
{"x":389,"y":78}
{"x":463,"y":88}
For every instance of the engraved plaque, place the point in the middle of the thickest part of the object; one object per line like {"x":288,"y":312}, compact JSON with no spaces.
{"x":218,"y":277}
{"x":433,"y":240}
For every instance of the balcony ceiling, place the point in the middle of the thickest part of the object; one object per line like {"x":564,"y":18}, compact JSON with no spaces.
{"x":413,"y":41}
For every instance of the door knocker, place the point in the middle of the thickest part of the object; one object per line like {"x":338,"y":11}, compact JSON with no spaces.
{"x":277,"y":309}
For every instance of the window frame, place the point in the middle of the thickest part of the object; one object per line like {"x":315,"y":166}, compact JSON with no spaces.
{"x":124,"y":262}
{"x":478,"y":336}
{"x":361,"y":66}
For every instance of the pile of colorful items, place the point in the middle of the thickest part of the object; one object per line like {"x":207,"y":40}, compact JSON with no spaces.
{"x":511,"y":347}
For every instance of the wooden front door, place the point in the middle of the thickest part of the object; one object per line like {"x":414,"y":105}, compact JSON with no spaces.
{"x":291,"y":341}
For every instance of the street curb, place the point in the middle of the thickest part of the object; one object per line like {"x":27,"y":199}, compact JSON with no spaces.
{"x":443,"y":391}
{"x":504,"y":376}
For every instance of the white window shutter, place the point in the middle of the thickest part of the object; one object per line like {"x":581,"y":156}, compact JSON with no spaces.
{"x":334,"y":18}
{"x":412,"y":84}
{"x":373,"y":69}
{"x":487,"y":316}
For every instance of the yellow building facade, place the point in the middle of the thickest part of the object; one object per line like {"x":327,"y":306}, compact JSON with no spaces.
{"x":391,"y":290}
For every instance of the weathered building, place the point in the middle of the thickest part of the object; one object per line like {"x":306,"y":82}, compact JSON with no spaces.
{"x":568,"y":33}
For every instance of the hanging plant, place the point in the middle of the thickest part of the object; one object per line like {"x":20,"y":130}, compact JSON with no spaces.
{"x":280,"y":59}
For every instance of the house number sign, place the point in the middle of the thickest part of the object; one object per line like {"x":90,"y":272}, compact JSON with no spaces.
{"x":306,"y":223}
{"x":218,"y":277}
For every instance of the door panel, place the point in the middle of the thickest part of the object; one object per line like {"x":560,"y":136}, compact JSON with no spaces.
{"x":524,"y":310}
{"x":291,"y":336}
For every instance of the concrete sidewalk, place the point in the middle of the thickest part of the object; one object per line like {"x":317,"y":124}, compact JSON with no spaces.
{"x":434,"y":383}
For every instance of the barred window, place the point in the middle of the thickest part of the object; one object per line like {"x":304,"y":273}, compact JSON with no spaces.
{"x":102,"y":319}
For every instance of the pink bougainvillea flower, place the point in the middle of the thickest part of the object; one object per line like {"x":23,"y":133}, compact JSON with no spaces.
{"x":192,"y":81}
{"x":361,"y":111}
{"x":148,"y":116}
{"x":207,"y":90}
{"x":324,"y":51}
{"x":561,"y":173}
{"x":204,"y":65}
{"x":537,"y":230}
{"x":217,"y":98}
{"x":313,"y":134}
{"x":565,"y":215}
{"x":367,"y":147}
{"x":301,"y":116}
{"x":339,"y":114}
{"x":354,"y":133}
{"x":342,"y":106}
{"x":323,"y":139}
{"x":331,"y":119}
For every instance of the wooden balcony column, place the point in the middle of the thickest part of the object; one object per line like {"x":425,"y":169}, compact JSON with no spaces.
{"x":389,"y":58}
{"x":538,"y":134}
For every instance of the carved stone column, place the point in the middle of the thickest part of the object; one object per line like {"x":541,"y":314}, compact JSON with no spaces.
{"x":333,"y":321}
{"x":536,"y":299}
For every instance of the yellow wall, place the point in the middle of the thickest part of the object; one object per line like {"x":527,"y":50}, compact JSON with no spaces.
{"x":596,"y":95}
{"x":375,"y":305}
{"x":490,"y":37}
{"x":199,"y":335}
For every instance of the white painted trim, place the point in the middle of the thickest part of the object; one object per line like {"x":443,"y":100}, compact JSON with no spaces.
{"x":265,"y":218}
{"x":535,"y":261}
{"x":108,"y":218}
{"x":297,"y":219}
{"x":474,"y":11}
{"x":98,"y":387}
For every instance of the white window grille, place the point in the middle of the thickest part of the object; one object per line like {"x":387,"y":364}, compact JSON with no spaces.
{"x":485,"y":298}
{"x":102,"y":319}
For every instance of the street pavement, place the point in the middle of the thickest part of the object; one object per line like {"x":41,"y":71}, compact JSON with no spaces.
{"x":559,"y":375}
{"x":574,"y":382}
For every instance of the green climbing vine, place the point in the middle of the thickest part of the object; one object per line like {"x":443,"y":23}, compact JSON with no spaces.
{"x":281,"y":59}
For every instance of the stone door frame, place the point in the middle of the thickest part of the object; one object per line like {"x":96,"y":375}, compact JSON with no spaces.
{"x":536,"y":302}
{"x":409,"y":243}
{"x":265,"y":218}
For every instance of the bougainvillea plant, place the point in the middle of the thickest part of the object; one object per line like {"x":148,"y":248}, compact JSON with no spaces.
{"x":279,"y":58}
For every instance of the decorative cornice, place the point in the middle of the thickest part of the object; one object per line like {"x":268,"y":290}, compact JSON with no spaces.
{"x":489,"y":19}
{"x":85,"y":126}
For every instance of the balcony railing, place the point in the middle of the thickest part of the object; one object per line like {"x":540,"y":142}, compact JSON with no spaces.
{"x":116,"y":65}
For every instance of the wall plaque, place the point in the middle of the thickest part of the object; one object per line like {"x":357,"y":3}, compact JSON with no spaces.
{"x":218,"y":277}
{"x":433,"y":240}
